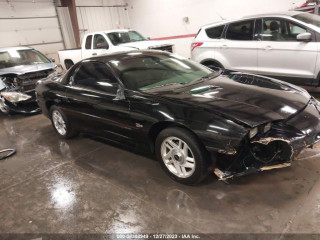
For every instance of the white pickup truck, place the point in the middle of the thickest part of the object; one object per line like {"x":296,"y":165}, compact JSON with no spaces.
{"x":110,"y":41}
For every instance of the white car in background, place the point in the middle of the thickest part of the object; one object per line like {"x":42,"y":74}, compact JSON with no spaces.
{"x":282,"y":45}
{"x":97,"y":43}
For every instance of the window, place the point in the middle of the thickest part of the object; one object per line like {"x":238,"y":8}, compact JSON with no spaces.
{"x":95,"y":75}
{"x":13,"y":58}
{"x":125,"y":37}
{"x":276,"y":29}
{"x":88,"y":42}
{"x":100,"y":42}
{"x":308,"y":18}
{"x":240,"y":30}
{"x":215,"y":32}
{"x":143,"y":72}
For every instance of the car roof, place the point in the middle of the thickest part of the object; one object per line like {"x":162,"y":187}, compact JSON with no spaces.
{"x":128,"y":54}
{"x":275,"y":14}
{"x":14,"y":48}
{"x":271,"y":14}
{"x":110,"y":31}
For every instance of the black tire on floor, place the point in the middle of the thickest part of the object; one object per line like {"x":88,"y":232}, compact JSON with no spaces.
{"x":69,"y":133}
{"x":200,"y":154}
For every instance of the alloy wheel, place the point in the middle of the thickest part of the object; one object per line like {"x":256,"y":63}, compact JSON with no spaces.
{"x":59,"y":123}
{"x":178,"y":157}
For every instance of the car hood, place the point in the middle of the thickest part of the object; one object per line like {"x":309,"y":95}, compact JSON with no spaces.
{"x":250,"y":99}
{"x":22,"y":69}
{"x":141,"y":45}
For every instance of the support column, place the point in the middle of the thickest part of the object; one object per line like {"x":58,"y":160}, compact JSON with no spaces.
{"x":71,"y":4}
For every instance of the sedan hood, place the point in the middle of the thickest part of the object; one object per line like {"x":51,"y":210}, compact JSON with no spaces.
{"x":142,"y":45}
{"x":250,"y":99}
{"x":22,"y":69}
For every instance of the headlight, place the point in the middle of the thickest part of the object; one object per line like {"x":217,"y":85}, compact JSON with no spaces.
{"x":253,"y":132}
{"x":267,"y":128}
{"x":15,"y":96}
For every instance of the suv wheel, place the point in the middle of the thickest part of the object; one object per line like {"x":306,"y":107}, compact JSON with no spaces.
{"x":213,"y":65}
{"x":181,"y":156}
{"x":60,"y":123}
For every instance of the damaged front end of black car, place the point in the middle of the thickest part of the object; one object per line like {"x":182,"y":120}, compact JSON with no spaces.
{"x":272,"y":145}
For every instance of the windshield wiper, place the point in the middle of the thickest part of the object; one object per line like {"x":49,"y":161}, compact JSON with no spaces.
{"x":205,"y":78}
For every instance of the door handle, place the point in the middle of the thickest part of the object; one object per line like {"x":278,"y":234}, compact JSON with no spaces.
{"x":94,"y":54}
{"x":224,"y":46}
{"x":267,"y":48}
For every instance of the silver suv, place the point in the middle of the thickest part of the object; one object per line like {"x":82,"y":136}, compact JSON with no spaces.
{"x":282,"y":45}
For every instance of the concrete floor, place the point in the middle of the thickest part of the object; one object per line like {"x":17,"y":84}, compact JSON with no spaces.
{"x":88,"y":186}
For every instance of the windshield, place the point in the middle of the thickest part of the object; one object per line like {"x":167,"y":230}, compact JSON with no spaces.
{"x":143,"y":72}
{"x":308,"y":18}
{"x":125,"y":37}
{"x":12,"y":58}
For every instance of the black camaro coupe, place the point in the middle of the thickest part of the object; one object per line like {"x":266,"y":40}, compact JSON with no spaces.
{"x":194,"y":119}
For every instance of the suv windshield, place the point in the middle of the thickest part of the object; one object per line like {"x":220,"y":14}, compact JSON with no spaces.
{"x":124,"y":37}
{"x":12,"y":58}
{"x":143,"y":72}
{"x":308,"y":18}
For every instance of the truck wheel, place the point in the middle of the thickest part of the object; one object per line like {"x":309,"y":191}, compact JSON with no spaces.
{"x":181,"y":156}
{"x":68,"y":64}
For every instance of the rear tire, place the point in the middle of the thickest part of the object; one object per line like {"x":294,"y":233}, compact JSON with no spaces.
{"x":181,"y":156}
{"x":61,"y":124}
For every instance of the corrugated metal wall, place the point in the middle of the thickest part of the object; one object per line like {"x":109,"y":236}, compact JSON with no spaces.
{"x":31,"y":23}
{"x":66,"y":27}
{"x":101,"y":18}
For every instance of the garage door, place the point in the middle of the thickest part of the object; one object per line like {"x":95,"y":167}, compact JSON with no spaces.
{"x":30,"y":23}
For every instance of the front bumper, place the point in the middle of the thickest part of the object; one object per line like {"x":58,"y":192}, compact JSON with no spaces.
{"x":282,"y":144}
{"x":29,"y":106}
{"x":300,"y":131}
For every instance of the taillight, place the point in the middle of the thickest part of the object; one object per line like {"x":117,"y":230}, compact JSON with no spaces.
{"x":195,"y":44}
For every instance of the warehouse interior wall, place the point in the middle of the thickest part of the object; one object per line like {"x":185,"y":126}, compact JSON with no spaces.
{"x":99,"y":15}
{"x":31,"y":23}
{"x":167,"y":18}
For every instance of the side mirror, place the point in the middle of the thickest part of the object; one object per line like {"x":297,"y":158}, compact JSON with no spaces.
{"x":304,"y":37}
{"x":52,"y":60}
{"x":102,"y":45}
{"x":120,"y":94}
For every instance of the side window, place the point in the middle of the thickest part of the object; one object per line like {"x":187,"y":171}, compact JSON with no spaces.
{"x":215,"y":32}
{"x":88,"y":42}
{"x":240,"y":30}
{"x":96,"y":76}
{"x":280,"y":30}
{"x":99,"y":42}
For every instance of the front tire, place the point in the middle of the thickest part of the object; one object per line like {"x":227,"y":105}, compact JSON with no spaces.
{"x":61,"y":124}
{"x":181,"y":156}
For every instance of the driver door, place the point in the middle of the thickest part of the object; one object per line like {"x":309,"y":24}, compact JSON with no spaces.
{"x":94,"y":103}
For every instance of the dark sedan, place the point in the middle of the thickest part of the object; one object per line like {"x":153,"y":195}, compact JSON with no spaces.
{"x":194,"y":119}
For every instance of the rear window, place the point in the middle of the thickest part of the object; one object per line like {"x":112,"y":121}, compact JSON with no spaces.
{"x":215,"y":32}
{"x":240,"y":30}
{"x":88,"y":42}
